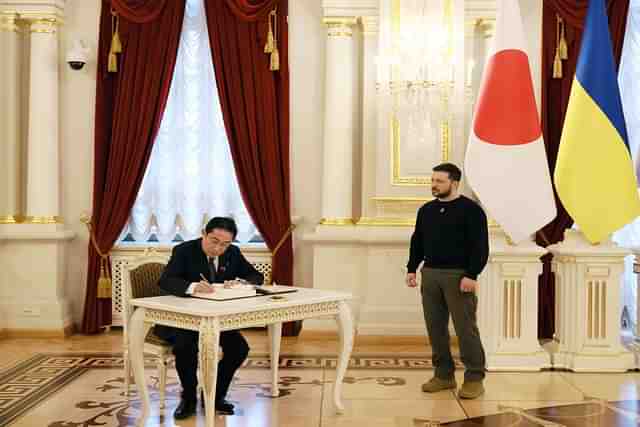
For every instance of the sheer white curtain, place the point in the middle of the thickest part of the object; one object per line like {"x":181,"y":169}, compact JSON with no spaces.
{"x":190,"y":177}
{"x":629,"y":80}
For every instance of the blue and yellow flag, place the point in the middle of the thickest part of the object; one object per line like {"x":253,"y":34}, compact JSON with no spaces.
{"x":594,"y":172}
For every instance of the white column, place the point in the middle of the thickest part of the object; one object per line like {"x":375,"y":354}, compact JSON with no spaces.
{"x":339,"y":121}
{"x":508,"y":306}
{"x":43,"y":180}
{"x":37,"y":301}
{"x":369,"y":114}
{"x":10,"y":118}
{"x":588,"y":306}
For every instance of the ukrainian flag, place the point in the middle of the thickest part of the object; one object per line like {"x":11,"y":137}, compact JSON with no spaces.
{"x":594,"y":173}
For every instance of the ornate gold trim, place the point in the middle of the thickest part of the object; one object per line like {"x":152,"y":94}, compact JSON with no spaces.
{"x":339,"y":32}
{"x":43,"y":220}
{"x":486,"y":26}
{"x":444,"y":141}
{"x":412,"y":181}
{"x":337,"y":221}
{"x":41,"y":15}
{"x":339,"y":20}
{"x":386,"y":222}
{"x":339,"y":26}
{"x":8,"y":22}
{"x":564,"y":259}
{"x":369,"y":25}
{"x":43,"y":31}
{"x":11,"y":219}
{"x":44,"y":25}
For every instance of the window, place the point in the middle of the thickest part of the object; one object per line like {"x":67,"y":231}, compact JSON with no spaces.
{"x":190,"y":177}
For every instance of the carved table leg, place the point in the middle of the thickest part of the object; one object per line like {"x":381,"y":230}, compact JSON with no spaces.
{"x":138,"y":330}
{"x":345,"y":325}
{"x":208,"y":361}
{"x":275,"y":335}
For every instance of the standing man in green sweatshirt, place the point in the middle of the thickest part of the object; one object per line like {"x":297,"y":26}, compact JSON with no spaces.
{"x":451,"y":238}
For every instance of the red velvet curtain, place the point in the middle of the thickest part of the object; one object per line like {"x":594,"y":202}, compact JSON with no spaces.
{"x":139,"y":11}
{"x":129,"y":108}
{"x":251,"y":10}
{"x":555,"y":97}
{"x":255,"y":108}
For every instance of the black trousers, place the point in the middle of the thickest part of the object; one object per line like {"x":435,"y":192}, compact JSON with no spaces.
{"x":185,"y":348}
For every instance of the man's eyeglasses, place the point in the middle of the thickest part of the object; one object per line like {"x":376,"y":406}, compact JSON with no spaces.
{"x":220,"y":243}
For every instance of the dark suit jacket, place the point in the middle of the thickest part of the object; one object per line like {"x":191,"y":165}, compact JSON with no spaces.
{"x":188,"y":261}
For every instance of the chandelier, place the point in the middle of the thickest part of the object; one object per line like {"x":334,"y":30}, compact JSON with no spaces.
{"x":416,"y":46}
{"x":420,"y":46}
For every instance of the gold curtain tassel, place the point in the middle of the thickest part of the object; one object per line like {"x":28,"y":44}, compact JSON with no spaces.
{"x":113,"y":63}
{"x":116,"y":44}
{"x":564,"y":49}
{"x":275,"y":60}
{"x":557,"y":65}
{"x":562,"y":44}
{"x":557,"y":60}
{"x":274,"y":63}
{"x":269,"y":45}
{"x":104,"y":282}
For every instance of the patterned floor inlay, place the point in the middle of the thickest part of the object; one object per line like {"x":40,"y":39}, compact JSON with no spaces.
{"x":87,"y":390}
{"x":35,"y":380}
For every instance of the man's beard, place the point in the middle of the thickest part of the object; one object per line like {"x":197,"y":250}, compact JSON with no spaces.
{"x":441,"y":195}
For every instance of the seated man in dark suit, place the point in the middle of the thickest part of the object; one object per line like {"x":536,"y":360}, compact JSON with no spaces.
{"x":214,"y":258}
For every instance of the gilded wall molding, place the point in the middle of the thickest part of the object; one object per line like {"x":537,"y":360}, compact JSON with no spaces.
{"x":386,"y":222}
{"x":47,"y":24}
{"x":42,"y":220}
{"x":30,"y":21}
{"x":397,"y":179}
{"x":370,"y":25}
{"x":337,"y":221}
{"x":340,"y":26}
{"x":11,"y":219}
{"x":9,"y":22}
{"x":22,"y":219}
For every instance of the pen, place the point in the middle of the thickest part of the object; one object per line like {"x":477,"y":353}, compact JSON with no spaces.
{"x":204,"y":278}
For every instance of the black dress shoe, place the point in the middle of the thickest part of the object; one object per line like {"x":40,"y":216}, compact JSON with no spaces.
{"x":223,"y":407}
{"x":185,"y":409}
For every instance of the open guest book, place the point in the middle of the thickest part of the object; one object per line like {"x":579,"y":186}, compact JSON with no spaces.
{"x":236,"y":289}
{"x":228,"y":291}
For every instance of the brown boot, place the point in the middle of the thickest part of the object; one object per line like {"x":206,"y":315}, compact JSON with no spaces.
{"x":471,"y":389}
{"x":436,"y":384}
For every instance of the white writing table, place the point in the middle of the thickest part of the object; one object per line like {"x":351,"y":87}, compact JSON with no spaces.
{"x":210,"y":318}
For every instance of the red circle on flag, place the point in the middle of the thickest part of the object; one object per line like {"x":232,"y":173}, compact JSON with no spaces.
{"x":506,"y":112}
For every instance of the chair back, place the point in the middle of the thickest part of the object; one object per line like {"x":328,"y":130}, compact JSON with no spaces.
{"x":141,"y":278}
{"x":144,"y":280}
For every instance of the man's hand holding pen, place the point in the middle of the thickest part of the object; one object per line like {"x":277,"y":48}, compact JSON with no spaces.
{"x":204,"y":286}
